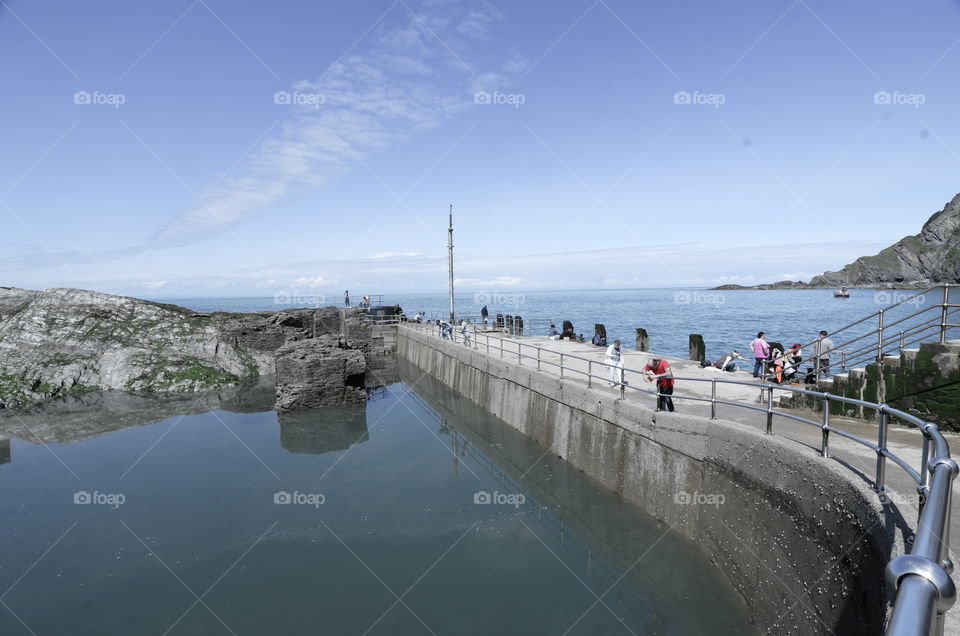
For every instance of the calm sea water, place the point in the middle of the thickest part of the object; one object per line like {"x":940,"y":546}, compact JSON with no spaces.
{"x":393,"y":518}
{"x":726,"y":319}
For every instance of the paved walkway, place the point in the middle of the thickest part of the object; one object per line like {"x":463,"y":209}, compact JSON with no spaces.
{"x":578,"y":358}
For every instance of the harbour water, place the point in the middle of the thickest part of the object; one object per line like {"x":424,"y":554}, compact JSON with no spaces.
{"x":727,"y":320}
{"x":413,"y":514}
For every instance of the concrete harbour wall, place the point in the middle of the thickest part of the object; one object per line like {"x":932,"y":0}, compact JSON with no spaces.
{"x":799,"y":537}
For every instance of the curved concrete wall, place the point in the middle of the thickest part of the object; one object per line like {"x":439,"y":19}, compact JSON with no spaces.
{"x":799,"y":536}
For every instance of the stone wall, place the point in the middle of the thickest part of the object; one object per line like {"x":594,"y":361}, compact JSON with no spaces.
{"x":799,"y":537}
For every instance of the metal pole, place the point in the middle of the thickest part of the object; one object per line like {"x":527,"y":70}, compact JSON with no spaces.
{"x":825,"y":443}
{"x":713,"y":399}
{"x":900,"y":348}
{"x":880,"y":337}
{"x":450,"y":265}
{"x":538,"y":358}
{"x":943,"y":314}
{"x":769,"y":410}
{"x":561,"y":365}
{"x":881,"y":446}
{"x":589,"y":373}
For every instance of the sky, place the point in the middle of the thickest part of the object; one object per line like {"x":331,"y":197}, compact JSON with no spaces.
{"x":204,"y":148}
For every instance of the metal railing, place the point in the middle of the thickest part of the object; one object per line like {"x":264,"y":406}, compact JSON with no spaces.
{"x":919,"y":582}
{"x":889,"y":333}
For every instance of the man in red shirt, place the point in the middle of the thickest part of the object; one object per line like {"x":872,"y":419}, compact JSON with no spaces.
{"x":659,"y":370}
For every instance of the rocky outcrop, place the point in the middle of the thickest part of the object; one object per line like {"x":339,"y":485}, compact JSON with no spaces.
{"x":319,"y":372}
{"x":930,"y":257}
{"x":69,"y":342}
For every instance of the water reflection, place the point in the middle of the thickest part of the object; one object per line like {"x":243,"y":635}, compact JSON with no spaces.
{"x":318,"y":431}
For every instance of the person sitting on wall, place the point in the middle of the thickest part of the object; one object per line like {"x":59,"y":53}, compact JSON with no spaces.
{"x":598,"y":340}
{"x":553,"y":334}
{"x":725,"y":363}
{"x":569,"y":334}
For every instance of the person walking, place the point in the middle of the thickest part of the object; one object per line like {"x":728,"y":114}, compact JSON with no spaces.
{"x":484,"y":314}
{"x":761,"y":351}
{"x":659,"y":369}
{"x":346,"y":298}
{"x":464,"y":331}
{"x":821,"y":353}
{"x":615,"y":360}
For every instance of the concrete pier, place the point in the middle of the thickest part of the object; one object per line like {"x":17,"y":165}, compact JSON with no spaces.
{"x":803,"y":537}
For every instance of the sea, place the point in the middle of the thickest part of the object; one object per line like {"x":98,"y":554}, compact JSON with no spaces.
{"x":727,"y":319}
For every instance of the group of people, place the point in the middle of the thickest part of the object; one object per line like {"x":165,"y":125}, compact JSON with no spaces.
{"x":446,"y":330}
{"x":567,"y":333}
{"x":364,"y":303}
{"x":783,"y":365}
{"x":656,"y":369}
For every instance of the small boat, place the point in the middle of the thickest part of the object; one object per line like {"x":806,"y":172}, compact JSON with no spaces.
{"x":841,"y":293}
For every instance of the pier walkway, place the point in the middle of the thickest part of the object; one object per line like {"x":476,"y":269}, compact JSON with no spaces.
{"x":737,"y":397}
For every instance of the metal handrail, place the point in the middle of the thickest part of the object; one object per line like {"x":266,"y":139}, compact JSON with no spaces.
{"x":919,"y":582}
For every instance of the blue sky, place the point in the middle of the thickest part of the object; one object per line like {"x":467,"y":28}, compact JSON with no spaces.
{"x":207,"y":148}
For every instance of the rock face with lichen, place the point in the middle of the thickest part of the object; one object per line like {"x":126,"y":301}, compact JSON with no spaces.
{"x":67,"y":342}
{"x":323,"y":371}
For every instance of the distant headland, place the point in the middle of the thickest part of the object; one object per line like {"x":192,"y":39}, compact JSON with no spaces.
{"x":922,"y":260}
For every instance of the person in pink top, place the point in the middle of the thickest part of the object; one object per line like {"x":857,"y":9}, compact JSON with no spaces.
{"x":761,"y":351}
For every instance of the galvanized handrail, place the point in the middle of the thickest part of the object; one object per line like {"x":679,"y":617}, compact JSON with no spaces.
{"x":919,"y":582}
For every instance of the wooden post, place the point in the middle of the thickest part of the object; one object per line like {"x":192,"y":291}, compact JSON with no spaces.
{"x":698,"y":351}
{"x":643,"y":340}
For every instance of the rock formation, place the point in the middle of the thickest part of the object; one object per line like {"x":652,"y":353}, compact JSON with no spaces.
{"x":319,"y":372}
{"x":68,"y":342}
{"x":932,"y":256}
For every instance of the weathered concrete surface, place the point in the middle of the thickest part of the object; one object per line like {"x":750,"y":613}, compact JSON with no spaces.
{"x":319,"y":372}
{"x":804,"y":542}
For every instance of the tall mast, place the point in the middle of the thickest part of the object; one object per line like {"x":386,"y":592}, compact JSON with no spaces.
{"x":450,"y":266}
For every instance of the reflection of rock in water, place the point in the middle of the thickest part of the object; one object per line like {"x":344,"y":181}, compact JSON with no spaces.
{"x":382,"y":371}
{"x":317,"y":431}
{"x":75,"y":419}
{"x":4,"y":451}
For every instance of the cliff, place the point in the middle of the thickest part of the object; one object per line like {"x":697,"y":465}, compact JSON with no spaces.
{"x":67,"y":342}
{"x":930,"y":257}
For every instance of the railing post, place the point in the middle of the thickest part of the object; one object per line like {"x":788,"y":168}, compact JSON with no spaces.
{"x":487,"y":338}
{"x":589,"y":373}
{"x":825,"y":443}
{"x":561,"y":365}
{"x":713,"y":399}
{"x":881,"y":447}
{"x":769,"y":410}
{"x":843,"y":362}
{"x":900,"y":347}
{"x":538,"y":358}
{"x":519,"y":355}
{"x":880,"y":337}
{"x":623,"y":383}
{"x":943,"y":314}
